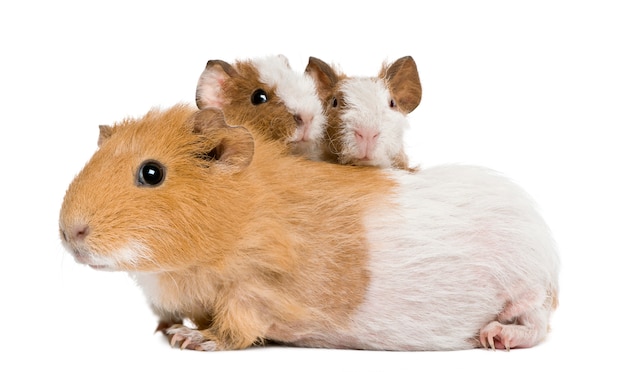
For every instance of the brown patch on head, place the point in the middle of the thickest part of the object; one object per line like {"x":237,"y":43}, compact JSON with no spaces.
{"x":328,"y":81}
{"x":245,"y":100}
{"x":325,"y":76}
{"x":333,"y":136}
{"x":404,"y":83}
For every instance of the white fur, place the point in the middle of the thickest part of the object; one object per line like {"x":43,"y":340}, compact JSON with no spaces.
{"x":149,"y":283}
{"x":468,"y":242}
{"x":460,"y":245}
{"x":297,"y":91}
{"x":129,"y":255}
{"x":133,"y":254}
{"x":367,"y":109}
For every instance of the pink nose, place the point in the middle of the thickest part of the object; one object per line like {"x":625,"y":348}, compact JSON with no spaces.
{"x":303,"y":122}
{"x":302,"y":119}
{"x":368,"y":135}
{"x":76,"y":233}
{"x":366,"y":139}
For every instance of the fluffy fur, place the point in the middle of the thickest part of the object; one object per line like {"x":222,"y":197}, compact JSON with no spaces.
{"x":367,"y":116}
{"x":250,"y":244}
{"x":293,"y":114}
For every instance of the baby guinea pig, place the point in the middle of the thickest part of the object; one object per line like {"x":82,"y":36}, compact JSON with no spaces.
{"x":367,"y":116}
{"x":268,"y":97}
{"x":447,"y":258}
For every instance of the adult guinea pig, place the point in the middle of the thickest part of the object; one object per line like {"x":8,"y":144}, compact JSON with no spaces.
{"x":267,"y":96}
{"x":235,"y":242}
{"x":367,"y":116}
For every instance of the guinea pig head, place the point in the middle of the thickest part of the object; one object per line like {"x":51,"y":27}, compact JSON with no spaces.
{"x":155,"y":196}
{"x":267,"y":96}
{"x":367,"y":116}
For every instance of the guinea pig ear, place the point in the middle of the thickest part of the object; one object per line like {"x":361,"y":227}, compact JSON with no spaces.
{"x":231,"y":147}
{"x":105,"y":133}
{"x":284,"y":59}
{"x":324,"y":75}
{"x":209,"y":92}
{"x":404,"y":83}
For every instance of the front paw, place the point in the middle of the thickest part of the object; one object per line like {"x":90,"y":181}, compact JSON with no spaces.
{"x":189,"y":338}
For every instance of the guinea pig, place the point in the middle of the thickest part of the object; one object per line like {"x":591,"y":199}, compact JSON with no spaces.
{"x":367,"y":116}
{"x":268,"y":97}
{"x":451,"y":257}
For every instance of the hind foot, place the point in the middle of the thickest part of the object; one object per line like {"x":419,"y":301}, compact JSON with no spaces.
{"x":496,"y":335}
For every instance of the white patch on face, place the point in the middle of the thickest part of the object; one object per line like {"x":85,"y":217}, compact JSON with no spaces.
{"x":133,"y":254}
{"x":297,"y":92}
{"x":124,"y":258}
{"x":367,"y":110}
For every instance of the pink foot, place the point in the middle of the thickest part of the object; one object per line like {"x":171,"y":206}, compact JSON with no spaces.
{"x":496,"y":335}
{"x":188,"y":338}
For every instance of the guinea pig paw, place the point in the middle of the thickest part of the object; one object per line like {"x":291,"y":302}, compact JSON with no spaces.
{"x":188,"y":338}
{"x":496,"y":335}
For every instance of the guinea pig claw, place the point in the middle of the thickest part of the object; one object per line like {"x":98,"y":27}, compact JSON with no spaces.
{"x":498,"y":336}
{"x":491,"y":344}
{"x":185,"y":343}
{"x":487,"y":342}
{"x":176,"y":338}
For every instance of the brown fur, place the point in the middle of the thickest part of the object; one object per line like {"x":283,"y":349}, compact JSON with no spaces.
{"x":226,"y":240}
{"x":238,"y":81}
{"x":404,"y":83}
{"x":328,"y":80}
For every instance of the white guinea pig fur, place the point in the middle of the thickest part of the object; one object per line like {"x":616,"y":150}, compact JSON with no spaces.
{"x":267,"y":96}
{"x":235,"y":243}
{"x":367,"y":116}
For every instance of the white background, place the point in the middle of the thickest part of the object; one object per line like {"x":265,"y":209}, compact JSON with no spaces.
{"x":534,"y":89}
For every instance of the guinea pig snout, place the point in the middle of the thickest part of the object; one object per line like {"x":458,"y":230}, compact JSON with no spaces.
{"x":73,"y":237}
{"x":75,"y":233}
{"x":300,"y":120}
{"x":303,"y":123}
{"x":365,"y":139}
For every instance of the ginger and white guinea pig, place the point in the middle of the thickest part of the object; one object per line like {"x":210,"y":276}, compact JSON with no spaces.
{"x":367,"y":116}
{"x":267,"y":96}
{"x":450,"y":257}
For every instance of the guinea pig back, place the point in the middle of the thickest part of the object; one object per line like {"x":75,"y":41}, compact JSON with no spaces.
{"x":250,"y":244}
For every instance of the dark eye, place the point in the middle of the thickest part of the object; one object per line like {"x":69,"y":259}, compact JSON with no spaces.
{"x":259,"y":96}
{"x":335,"y":103}
{"x":151,"y":173}
{"x":392,"y":103}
